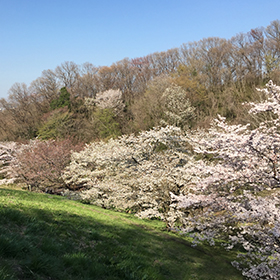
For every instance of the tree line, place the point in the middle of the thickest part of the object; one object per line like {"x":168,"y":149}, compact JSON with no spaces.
{"x":216,"y":75}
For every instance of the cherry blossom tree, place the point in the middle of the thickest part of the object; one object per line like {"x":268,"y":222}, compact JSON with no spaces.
{"x":40,"y":164}
{"x":133,"y":173}
{"x":110,"y":99}
{"x":177,"y":109}
{"x":234,"y":189}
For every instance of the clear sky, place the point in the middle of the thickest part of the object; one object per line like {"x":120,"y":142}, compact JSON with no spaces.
{"x":37,"y":35}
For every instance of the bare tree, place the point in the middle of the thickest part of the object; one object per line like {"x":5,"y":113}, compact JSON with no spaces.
{"x":68,"y":72}
{"x":47,"y":86}
{"x":85,"y":84}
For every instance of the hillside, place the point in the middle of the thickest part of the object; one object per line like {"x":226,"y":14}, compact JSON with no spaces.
{"x":189,"y":137}
{"x":49,"y":237}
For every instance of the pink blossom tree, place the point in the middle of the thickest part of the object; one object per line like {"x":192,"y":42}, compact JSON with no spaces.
{"x":40,"y":164}
{"x":234,"y":191}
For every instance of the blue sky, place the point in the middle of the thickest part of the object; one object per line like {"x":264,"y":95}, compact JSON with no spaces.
{"x":37,"y":35}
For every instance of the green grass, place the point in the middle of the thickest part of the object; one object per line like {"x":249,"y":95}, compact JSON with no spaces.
{"x":49,"y":237}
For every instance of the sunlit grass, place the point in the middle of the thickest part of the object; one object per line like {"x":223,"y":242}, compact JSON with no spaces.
{"x":49,"y":237}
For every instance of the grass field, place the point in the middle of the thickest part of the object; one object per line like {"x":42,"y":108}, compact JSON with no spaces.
{"x":50,"y":237}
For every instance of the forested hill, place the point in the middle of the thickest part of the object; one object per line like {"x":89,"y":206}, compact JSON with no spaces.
{"x":213,"y":75}
{"x":155,"y":159}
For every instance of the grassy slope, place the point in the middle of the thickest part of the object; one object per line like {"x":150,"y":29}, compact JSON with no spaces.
{"x":49,"y":237}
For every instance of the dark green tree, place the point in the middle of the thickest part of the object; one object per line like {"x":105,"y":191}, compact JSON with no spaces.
{"x":62,"y":101}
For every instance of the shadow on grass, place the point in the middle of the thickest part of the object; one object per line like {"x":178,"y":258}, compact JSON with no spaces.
{"x":43,"y":237}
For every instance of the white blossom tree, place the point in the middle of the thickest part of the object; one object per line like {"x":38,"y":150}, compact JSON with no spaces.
{"x":177,"y":107}
{"x":134,"y":173}
{"x":236,"y":191}
{"x":110,"y":99}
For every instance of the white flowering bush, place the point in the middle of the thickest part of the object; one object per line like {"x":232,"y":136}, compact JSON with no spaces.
{"x":135,"y":173}
{"x":234,"y":195}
